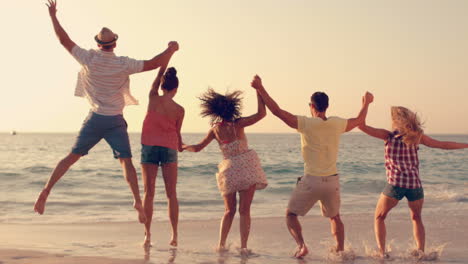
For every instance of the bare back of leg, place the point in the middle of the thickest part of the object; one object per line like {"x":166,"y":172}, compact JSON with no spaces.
{"x":149,"y":173}
{"x":384,"y":205}
{"x":230,"y":204}
{"x":132,"y":180}
{"x":61,"y":168}
{"x":418,"y":226}
{"x":245,"y":200}
{"x":170,"y":182}
{"x":337,"y":229}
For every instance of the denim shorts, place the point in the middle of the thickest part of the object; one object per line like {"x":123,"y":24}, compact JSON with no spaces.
{"x":96,"y":127}
{"x":157,"y":155}
{"x":399,"y":192}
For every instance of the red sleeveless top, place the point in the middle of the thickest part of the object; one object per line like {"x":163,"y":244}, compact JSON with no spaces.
{"x":159,"y":130}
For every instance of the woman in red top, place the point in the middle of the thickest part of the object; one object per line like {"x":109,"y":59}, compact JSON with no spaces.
{"x":160,"y":141}
{"x":402,"y":168}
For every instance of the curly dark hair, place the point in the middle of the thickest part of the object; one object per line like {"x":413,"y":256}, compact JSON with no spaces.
{"x":221,"y":107}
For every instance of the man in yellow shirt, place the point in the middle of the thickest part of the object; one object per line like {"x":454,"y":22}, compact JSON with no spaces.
{"x":320,"y":138}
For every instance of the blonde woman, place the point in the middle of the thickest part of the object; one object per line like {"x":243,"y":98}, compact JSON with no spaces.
{"x":402,"y":169}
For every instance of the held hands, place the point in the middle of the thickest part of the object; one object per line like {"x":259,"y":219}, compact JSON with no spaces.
{"x":257,"y":82}
{"x":184,"y":147}
{"x":52,"y":5}
{"x":190,"y":148}
{"x":173,"y":46}
{"x":367,"y":98}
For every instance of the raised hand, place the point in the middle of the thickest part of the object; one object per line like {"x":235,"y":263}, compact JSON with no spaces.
{"x":52,"y":5}
{"x":256,"y":82}
{"x":173,"y":45}
{"x":367,"y":98}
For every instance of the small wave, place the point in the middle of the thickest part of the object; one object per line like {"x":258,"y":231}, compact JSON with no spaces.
{"x":289,"y":168}
{"x":38,"y":169}
{"x":359,"y":168}
{"x":280,"y":190}
{"x":202,"y":169}
{"x":197,"y":202}
{"x":9,"y":174}
{"x":360,"y":185}
{"x":444,"y":193}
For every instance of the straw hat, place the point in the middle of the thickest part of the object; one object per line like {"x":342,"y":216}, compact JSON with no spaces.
{"x":106,"y":37}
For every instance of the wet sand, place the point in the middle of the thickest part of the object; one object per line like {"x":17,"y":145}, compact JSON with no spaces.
{"x":102,"y":243}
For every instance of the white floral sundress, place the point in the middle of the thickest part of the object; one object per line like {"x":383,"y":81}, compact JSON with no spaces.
{"x":240,"y":168}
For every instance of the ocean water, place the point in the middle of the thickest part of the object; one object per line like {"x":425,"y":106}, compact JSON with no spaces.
{"x":94,"y":189}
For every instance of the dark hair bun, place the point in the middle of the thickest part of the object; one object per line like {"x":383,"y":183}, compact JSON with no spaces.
{"x":170,"y":80}
{"x":171,"y":72}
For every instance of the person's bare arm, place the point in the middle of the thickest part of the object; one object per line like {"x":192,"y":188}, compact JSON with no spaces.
{"x":361,"y":118}
{"x":157,"y":81}
{"x":433,"y":143}
{"x":202,"y":144}
{"x":375,"y":132}
{"x":59,"y":31}
{"x":179,"y":128}
{"x":161,"y":59}
{"x":261,"y":111}
{"x":288,"y":118}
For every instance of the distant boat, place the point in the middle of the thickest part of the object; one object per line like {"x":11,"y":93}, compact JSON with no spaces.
{"x":13,"y":133}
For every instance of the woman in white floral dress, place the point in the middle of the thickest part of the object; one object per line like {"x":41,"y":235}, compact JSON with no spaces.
{"x":240,"y":171}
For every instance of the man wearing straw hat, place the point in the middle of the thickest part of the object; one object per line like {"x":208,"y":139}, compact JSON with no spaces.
{"x":104,"y":81}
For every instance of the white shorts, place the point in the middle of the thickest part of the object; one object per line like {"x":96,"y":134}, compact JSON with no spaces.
{"x":310,"y":189}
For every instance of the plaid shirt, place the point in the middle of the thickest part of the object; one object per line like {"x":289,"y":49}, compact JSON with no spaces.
{"x":401,"y":163}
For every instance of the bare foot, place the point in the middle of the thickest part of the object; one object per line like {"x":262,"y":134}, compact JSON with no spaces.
{"x":221,"y":249}
{"x":39,"y":206}
{"x":245,"y":252}
{"x":147,"y":241}
{"x":173,"y":241}
{"x":417,"y":253}
{"x":301,"y":251}
{"x":141,"y":212}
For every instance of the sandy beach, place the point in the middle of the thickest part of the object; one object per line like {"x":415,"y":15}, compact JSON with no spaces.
{"x":103,"y":243}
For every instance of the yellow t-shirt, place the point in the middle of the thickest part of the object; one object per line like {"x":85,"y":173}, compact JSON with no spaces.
{"x":319,"y":143}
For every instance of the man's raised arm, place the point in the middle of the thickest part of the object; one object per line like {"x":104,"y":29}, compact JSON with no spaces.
{"x":361,"y":118}
{"x":288,"y":118}
{"x":59,"y":31}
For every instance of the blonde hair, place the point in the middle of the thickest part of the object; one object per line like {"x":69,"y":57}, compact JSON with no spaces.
{"x":408,"y":124}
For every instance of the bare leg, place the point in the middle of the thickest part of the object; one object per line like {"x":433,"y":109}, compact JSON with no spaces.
{"x":418,"y":227}
{"x":226,"y":221}
{"x":245,"y":200}
{"x":61,"y":168}
{"x":149,"y":173}
{"x":384,"y":205}
{"x":170,"y":181}
{"x":337,"y":230}
{"x":132,"y":180}
{"x":294,"y":227}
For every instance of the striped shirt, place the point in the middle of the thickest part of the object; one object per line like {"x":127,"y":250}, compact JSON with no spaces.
{"x":104,"y":80}
{"x":401,"y":163}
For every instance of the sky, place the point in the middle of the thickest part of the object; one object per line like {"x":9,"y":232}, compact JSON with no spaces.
{"x":409,"y":53}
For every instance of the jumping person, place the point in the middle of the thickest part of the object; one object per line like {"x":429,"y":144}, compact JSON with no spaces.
{"x":320,"y":137}
{"x":160,"y":141}
{"x":104,"y":81}
{"x":240,"y":171}
{"x":402,"y":169}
